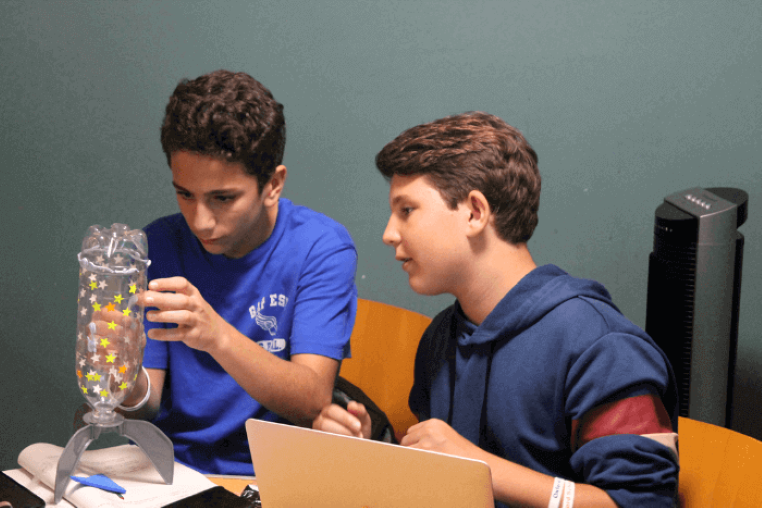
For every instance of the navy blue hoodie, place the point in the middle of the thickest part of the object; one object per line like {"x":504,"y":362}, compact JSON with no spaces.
{"x":553,"y":349}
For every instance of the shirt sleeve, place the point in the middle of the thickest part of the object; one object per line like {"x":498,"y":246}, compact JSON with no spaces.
{"x":326,"y":299}
{"x":615,"y":391}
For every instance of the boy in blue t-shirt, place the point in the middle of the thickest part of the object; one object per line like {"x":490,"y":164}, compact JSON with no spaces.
{"x":531,"y":370}
{"x":251,"y":299}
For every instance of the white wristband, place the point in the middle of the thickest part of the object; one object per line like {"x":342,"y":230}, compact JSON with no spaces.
{"x":568,"y":494}
{"x":145,"y":399}
{"x":555,"y":494}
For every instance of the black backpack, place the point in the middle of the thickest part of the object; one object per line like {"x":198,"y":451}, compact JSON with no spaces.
{"x":381,"y":428}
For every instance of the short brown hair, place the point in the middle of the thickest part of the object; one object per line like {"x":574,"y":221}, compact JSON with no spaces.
{"x":473,"y":151}
{"x":227,"y":115}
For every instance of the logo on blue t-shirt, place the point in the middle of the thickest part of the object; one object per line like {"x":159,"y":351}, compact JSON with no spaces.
{"x":273,"y":345}
{"x":268,"y":323}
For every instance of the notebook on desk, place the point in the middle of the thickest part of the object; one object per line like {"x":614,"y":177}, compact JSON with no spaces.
{"x":298,"y":467}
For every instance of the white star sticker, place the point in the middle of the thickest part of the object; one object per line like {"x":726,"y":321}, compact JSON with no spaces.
{"x":96,"y":388}
{"x":92,"y":277}
{"x":95,"y":358}
{"x":92,"y":298}
{"x":82,"y":362}
{"x":99,"y":259}
{"x":102,"y":284}
{"x":118,"y":377}
{"x":82,"y":292}
{"x":83,"y":311}
{"x":118,"y":258}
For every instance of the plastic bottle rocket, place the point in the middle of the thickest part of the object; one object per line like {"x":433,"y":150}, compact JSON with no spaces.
{"x":109,"y":347}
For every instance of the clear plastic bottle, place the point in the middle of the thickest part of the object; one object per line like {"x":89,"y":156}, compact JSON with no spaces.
{"x":110,"y":333}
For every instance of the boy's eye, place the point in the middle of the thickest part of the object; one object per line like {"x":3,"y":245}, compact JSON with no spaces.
{"x":224,"y":199}
{"x":184,"y":194}
{"x":406,"y":210}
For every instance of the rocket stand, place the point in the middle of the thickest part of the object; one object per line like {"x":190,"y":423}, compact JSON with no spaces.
{"x":151,"y":440}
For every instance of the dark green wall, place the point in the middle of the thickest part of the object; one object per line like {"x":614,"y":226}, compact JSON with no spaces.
{"x":625,"y":102}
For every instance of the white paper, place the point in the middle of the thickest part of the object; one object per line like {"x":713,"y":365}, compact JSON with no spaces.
{"x":127,"y":465}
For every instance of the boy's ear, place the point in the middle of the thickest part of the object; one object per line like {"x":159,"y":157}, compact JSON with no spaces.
{"x":480,"y":213}
{"x":273,"y":189}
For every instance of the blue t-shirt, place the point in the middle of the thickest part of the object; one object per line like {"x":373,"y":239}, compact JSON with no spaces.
{"x":293,"y":294}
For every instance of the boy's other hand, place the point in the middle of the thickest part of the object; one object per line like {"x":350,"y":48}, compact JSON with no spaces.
{"x":435,"y":435}
{"x":178,"y":301}
{"x":353,"y":421}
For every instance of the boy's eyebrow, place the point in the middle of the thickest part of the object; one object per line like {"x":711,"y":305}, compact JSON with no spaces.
{"x":220,"y":191}
{"x":399,"y":197}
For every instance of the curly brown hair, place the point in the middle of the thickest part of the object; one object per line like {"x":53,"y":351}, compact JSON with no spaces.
{"x":473,"y":151}
{"x":227,"y":115}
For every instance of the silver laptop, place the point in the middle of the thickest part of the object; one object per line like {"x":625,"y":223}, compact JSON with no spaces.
{"x":304,"y":468}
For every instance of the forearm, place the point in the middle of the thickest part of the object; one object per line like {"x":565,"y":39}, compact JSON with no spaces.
{"x":517,"y":485}
{"x":151,"y":408}
{"x":288,"y":388}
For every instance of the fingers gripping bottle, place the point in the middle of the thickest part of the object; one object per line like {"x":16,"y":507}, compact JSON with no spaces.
{"x":110,"y":335}
{"x":109,"y":347}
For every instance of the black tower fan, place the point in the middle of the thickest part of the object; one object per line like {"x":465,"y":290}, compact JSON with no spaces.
{"x":694,"y":291}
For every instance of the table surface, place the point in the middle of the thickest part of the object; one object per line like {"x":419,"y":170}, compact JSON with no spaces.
{"x":233,"y":484}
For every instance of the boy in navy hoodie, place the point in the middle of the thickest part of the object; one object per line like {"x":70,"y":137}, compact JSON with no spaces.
{"x":531,"y":370}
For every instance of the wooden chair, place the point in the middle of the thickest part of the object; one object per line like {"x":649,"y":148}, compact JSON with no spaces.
{"x":384,"y":342}
{"x":718,"y":467}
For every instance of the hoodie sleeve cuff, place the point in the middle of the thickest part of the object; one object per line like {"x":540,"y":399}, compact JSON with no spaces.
{"x":633,"y":470}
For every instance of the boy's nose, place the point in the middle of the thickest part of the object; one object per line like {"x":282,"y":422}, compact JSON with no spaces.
{"x":390,"y":236}
{"x":203,"y":219}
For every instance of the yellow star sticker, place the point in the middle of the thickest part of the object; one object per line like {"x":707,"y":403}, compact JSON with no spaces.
{"x":96,"y":306}
{"x":110,"y":307}
{"x":110,"y":358}
{"x":112,"y":325}
{"x":126,"y":312}
{"x":104,"y":393}
{"x":93,"y":285}
{"x":122,"y":369}
{"x":96,"y":377}
{"x":84,"y":389}
{"x":123,"y":386}
{"x":90,"y":377}
{"x":133,"y":288}
{"x":105,"y":342}
{"x":118,"y":298}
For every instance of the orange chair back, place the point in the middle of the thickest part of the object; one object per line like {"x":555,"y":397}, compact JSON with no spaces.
{"x":718,"y":467}
{"x":384,"y":341}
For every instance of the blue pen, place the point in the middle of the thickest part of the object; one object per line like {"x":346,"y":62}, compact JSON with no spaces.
{"x":101,"y":482}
